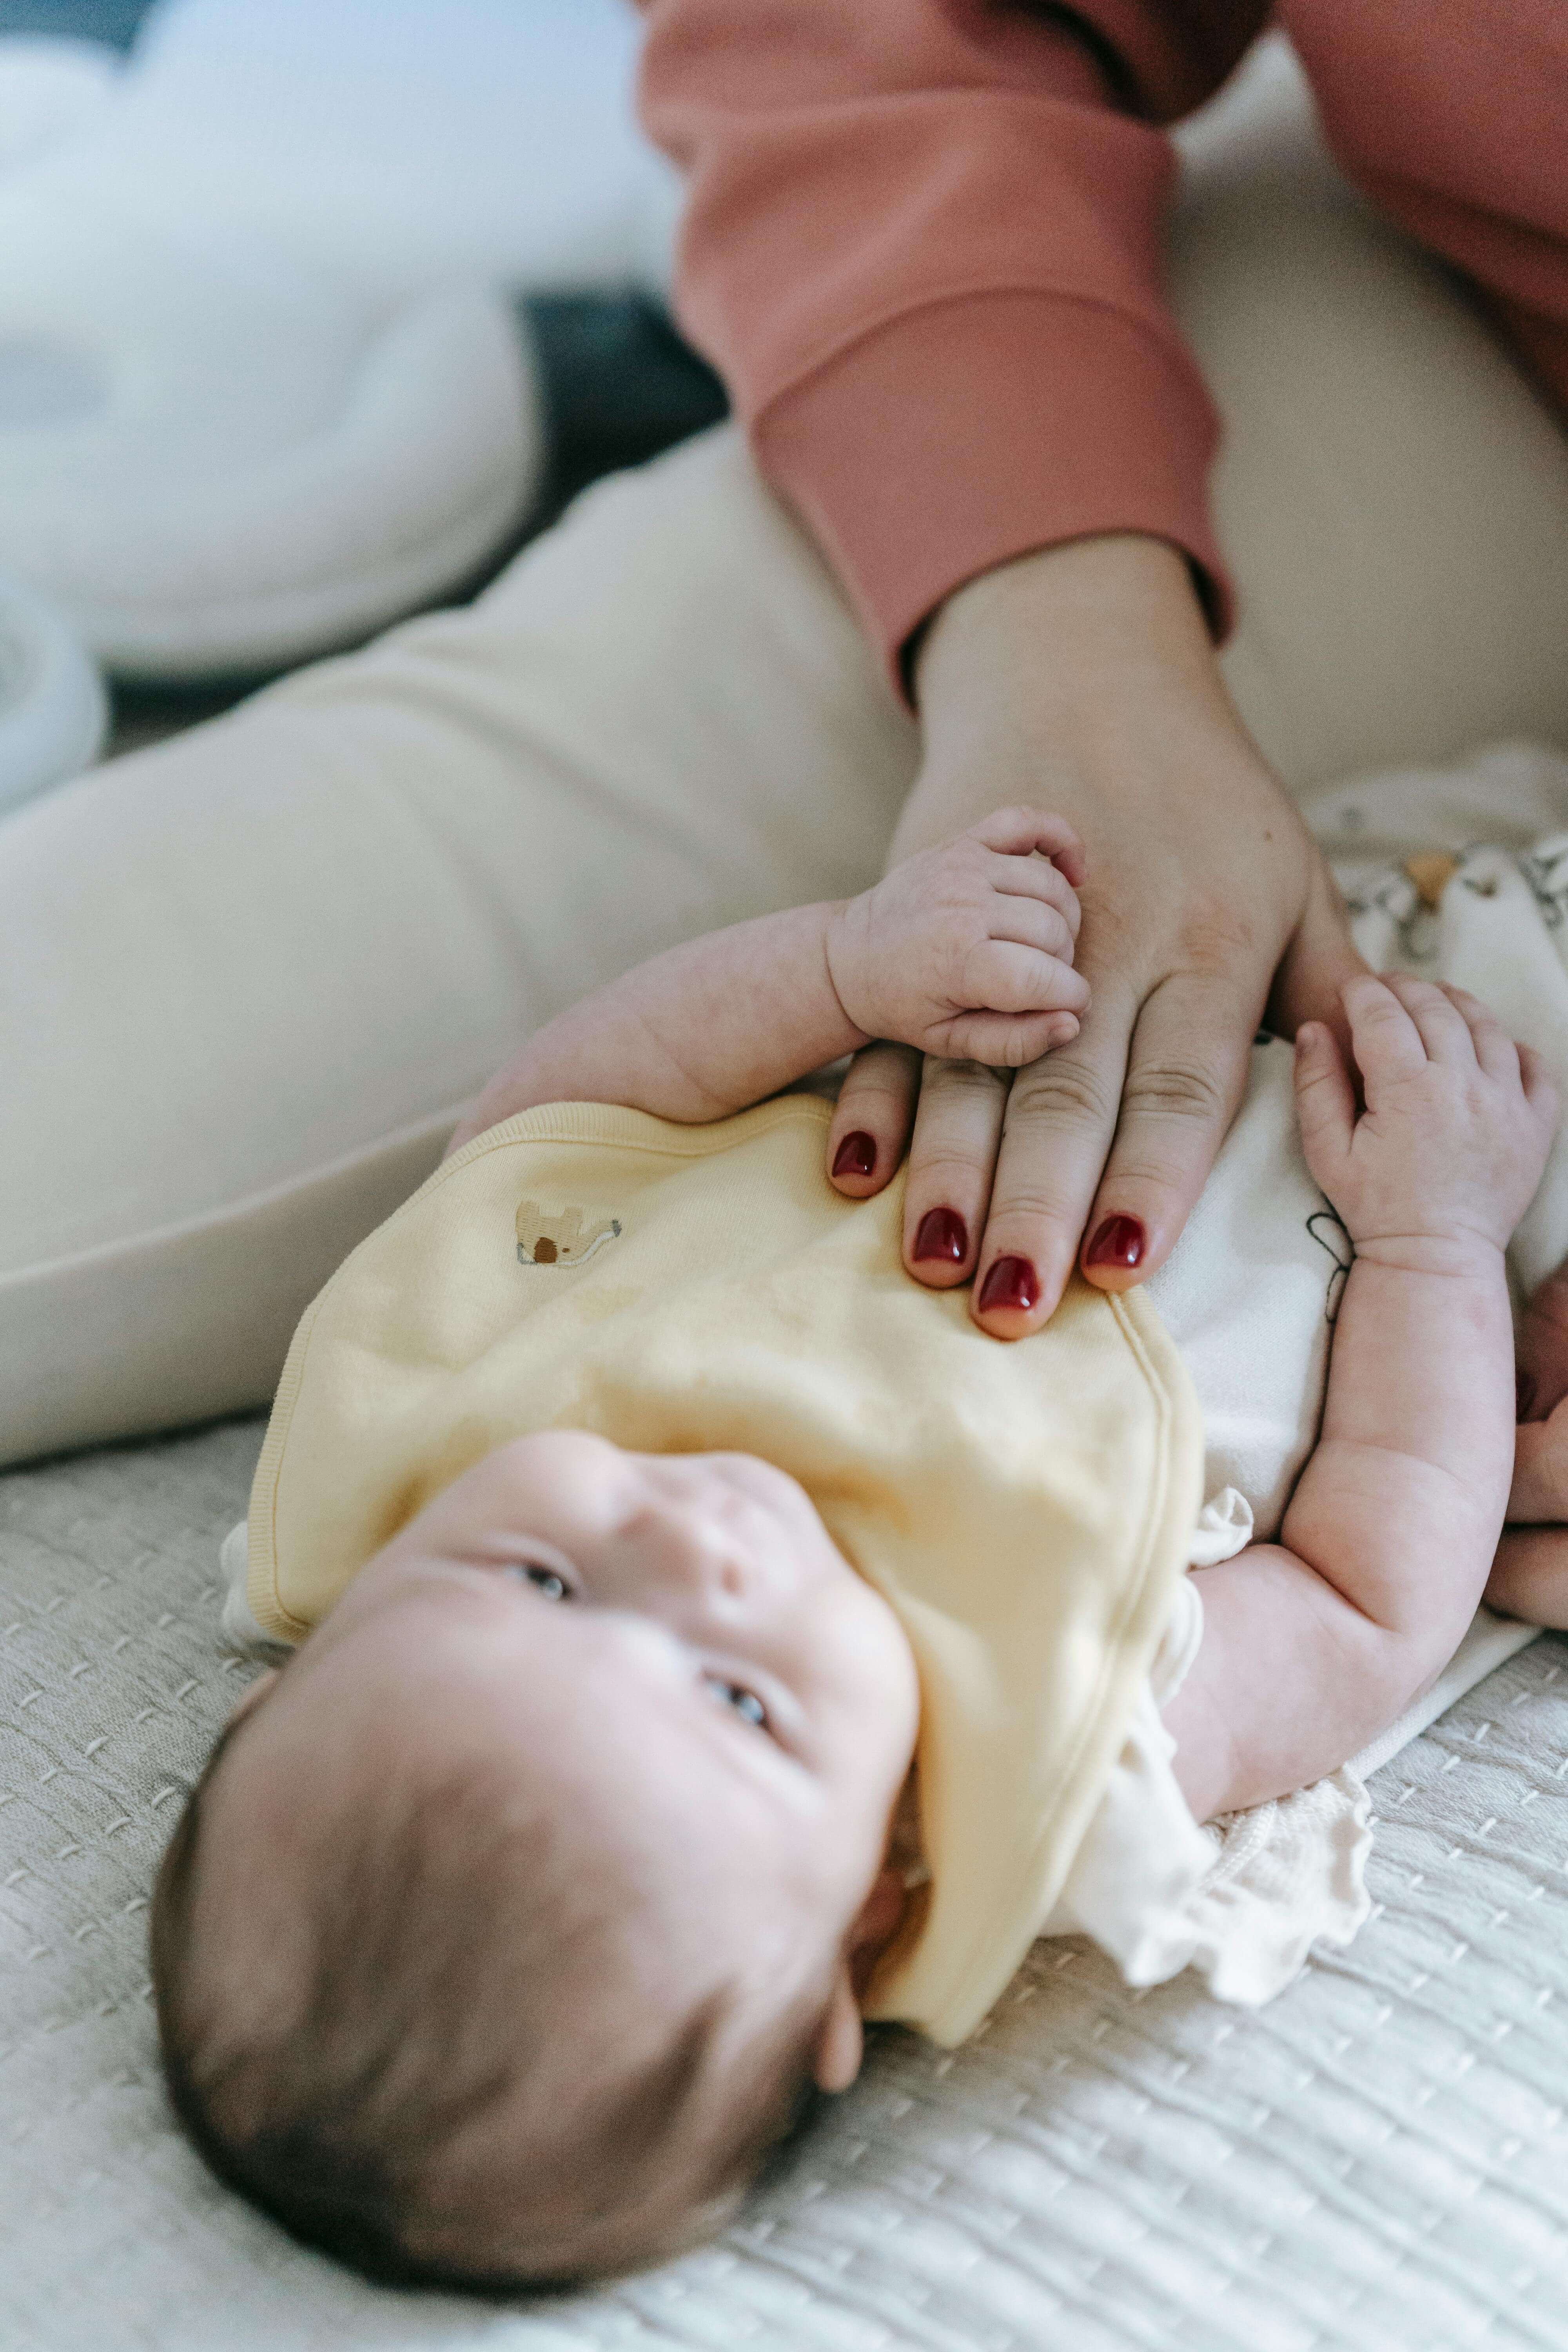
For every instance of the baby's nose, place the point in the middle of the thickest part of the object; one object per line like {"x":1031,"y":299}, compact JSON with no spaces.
{"x":695,"y":1555}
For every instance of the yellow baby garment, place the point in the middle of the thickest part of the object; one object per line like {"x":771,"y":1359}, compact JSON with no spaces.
{"x":1025,"y":1509}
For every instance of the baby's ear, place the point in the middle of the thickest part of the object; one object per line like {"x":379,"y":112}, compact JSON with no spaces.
{"x":840,"y":2040}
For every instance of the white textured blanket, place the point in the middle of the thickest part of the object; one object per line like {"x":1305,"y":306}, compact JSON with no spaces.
{"x":1379,"y":2159}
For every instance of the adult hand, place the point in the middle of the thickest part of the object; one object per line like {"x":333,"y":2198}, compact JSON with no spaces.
{"x":1539,"y":1495}
{"x":1530,"y":1574}
{"x":1082,"y":679}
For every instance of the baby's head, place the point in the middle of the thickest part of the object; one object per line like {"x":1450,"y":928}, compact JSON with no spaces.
{"x":509,"y":1924}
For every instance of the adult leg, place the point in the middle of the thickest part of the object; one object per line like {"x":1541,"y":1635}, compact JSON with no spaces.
{"x":250,"y":977}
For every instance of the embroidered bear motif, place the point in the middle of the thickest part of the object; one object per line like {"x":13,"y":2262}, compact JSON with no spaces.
{"x":558,"y":1236}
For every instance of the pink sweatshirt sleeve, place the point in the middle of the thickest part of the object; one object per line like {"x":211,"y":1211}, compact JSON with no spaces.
{"x":1451,"y":114}
{"x":923,"y":245}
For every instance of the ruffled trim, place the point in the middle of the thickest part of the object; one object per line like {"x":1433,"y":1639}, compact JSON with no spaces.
{"x":1287,"y":1876}
{"x":1242,"y":1901}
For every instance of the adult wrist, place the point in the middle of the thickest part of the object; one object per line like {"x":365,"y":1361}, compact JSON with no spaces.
{"x":1062,"y":624}
{"x":1081,"y":678}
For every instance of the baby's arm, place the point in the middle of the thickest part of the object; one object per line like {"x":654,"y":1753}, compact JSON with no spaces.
{"x":1313,"y":1646}
{"x":964,"y":951}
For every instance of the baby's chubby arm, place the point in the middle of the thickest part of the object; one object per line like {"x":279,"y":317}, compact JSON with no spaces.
{"x":965,"y":951}
{"x":1313,"y":1646}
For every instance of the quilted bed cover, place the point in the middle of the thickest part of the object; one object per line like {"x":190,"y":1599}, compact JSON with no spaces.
{"x":1379,"y":2160}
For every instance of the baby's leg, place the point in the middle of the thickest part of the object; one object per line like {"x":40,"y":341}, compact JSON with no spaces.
{"x":251,"y":976}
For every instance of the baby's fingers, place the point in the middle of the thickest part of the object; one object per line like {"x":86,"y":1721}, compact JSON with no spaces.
{"x":1441,"y":1023}
{"x":1007,"y":1041}
{"x":1494,"y":1049}
{"x":1325,"y":1100}
{"x":1384,"y":1038}
{"x":1000,"y":976}
{"x":1015,"y":881}
{"x":1022,"y":832}
{"x":1029,"y":923}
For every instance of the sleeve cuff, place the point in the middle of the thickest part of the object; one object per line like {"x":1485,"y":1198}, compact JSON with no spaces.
{"x":962,"y":435}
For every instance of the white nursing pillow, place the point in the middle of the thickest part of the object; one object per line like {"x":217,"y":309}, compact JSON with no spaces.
{"x":218,"y":457}
{"x":53,"y":711}
{"x":261,"y":386}
{"x":50,"y":91}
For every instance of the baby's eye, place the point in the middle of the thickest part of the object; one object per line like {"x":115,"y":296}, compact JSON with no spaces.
{"x":733,"y":1695}
{"x":544,"y":1580}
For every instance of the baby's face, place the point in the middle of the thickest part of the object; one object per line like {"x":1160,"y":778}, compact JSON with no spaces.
{"x":676,"y":1635}
{"x":698,"y":1594}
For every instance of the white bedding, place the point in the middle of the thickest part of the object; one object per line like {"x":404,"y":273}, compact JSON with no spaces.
{"x":1378,"y":2159}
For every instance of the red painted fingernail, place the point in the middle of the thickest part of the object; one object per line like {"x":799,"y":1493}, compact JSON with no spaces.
{"x":1524,"y":1395}
{"x":1120,"y":1241}
{"x":1012,"y":1282}
{"x":857,"y":1155}
{"x":941,"y":1232}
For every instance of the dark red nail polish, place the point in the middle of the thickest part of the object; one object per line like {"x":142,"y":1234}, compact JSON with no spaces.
{"x":1012,"y":1282}
{"x":940,"y":1233}
{"x":1120,"y":1241}
{"x":1524,"y":1395}
{"x":857,"y":1155}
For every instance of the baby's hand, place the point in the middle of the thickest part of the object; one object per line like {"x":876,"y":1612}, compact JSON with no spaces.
{"x":1457,"y":1124}
{"x":966,"y":951}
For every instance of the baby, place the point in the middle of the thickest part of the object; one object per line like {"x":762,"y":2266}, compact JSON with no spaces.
{"x":714,"y":1637}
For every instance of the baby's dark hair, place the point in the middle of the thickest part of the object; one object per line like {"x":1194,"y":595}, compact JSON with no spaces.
{"x":450,"y":1941}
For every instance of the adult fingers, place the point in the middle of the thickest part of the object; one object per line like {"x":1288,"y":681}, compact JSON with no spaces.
{"x":1017,"y":832}
{"x":1543,"y":1348}
{"x":871,"y":1121}
{"x":1529,"y":1576}
{"x":1059,"y":1118}
{"x":1540,"y":1490}
{"x":1185,"y":1076}
{"x":958,"y":1128}
{"x":1322,"y":958}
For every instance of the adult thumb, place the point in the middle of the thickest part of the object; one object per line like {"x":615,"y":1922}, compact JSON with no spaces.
{"x":1320,"y":958}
